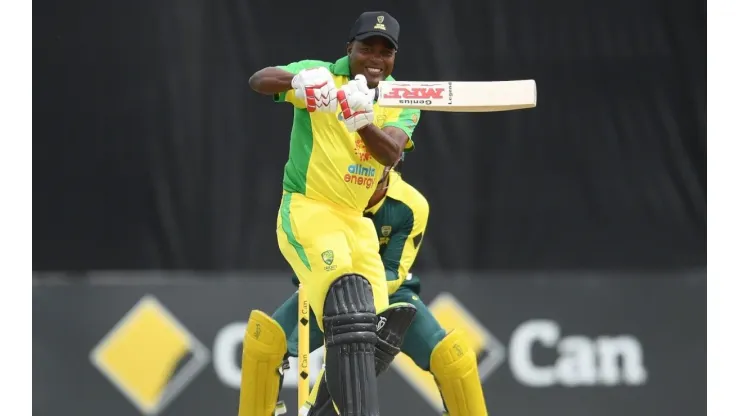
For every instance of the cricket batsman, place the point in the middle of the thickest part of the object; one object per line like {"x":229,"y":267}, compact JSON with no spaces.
{"x":400,"y":213}
{"x":340,"y":143}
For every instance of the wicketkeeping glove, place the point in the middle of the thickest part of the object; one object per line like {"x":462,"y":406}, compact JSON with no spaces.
{"x":316,"y":87}
{"x":356,"y":103}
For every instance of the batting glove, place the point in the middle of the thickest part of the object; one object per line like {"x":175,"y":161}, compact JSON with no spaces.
{"x":356,"y":103}
{"x":316,"y":87}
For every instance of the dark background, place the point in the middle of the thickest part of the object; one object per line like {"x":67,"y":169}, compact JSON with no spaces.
{"x":152,"y":153}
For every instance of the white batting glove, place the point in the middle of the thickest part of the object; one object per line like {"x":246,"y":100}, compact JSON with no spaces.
{"x":316,"y":87}
{"x":356,"y":103}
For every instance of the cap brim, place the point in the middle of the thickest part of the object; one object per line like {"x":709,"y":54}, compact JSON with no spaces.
{"x":370,"y":34}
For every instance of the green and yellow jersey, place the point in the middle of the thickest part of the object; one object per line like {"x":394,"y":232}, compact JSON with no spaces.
{"x":326,"y":162}
{"x":400,"y":220}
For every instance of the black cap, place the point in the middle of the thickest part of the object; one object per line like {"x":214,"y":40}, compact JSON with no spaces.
{"x":376,"y":24}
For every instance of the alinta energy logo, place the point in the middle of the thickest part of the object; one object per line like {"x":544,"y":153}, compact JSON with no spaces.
{"x":360,"y":175}
{"x":150,"y":356}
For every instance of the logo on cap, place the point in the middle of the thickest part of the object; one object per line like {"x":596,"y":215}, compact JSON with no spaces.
{"x":380,"y":24}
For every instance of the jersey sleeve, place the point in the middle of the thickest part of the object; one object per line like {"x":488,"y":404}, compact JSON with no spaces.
{"x":404,"y":243}
{"x":295,"y":68}
{"x":405,"y":119}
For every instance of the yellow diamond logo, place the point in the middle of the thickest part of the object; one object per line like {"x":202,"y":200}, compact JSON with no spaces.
{"x":150,"y":356}
{"x":452,"y":314}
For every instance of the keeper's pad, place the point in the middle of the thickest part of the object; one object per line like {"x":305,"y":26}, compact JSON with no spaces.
{"x":455,"y":369}
{"x":391,"y":328}
{"x":392,"y":325}
{"x":265,"y":346}
{"x":349,"y":330}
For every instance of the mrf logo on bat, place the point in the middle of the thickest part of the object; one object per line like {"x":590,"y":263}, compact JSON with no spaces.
{"x":426,"y":94}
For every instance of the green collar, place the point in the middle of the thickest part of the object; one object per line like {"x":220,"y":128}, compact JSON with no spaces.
{"x":341,"y":66}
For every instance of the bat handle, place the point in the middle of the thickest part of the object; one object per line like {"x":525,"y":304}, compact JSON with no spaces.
{"x":377,"y":94}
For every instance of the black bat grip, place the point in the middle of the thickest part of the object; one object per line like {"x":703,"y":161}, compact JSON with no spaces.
{"x":377,"y":94}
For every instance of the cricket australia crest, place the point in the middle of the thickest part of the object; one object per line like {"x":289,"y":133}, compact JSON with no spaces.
{"x":328,"y":257}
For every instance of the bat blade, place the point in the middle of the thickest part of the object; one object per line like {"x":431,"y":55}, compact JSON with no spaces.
{"x":458,"y":96}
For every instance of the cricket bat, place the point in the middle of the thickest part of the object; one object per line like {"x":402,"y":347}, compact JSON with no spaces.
{"x":458,"y":96}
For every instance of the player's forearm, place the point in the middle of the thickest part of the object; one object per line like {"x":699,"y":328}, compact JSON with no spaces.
{"x":381,"y":145}
{"x":271,"y":81}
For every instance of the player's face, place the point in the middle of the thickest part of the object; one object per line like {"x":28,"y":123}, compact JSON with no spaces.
{"x":372,"y":57}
